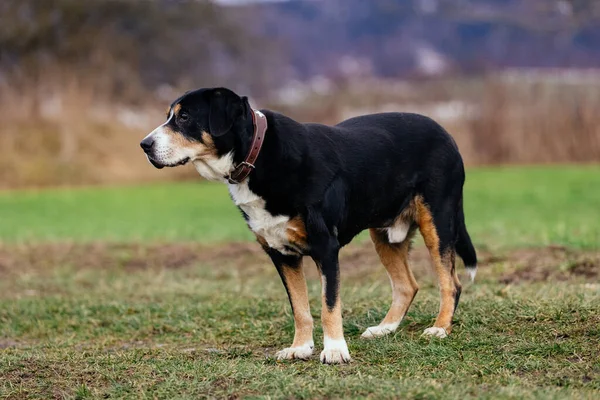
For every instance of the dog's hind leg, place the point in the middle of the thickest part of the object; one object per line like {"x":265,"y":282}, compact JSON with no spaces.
{"x":437,"y":227}
{"x":394,"y":257}
{"x":292,"y":275}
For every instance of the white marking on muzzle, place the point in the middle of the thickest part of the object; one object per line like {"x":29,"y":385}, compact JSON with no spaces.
{"x":164,"y":150}
{"x":156,"y":134}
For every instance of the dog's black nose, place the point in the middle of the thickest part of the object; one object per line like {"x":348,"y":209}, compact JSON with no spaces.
{"x":147,"y":144}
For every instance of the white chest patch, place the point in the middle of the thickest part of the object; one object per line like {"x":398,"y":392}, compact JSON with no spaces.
{"x":273,"y":228}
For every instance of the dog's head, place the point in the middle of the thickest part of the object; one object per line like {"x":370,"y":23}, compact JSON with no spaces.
{"x":200,"y":128}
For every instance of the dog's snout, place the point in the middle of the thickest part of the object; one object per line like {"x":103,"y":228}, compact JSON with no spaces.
{"x":147,"y":144}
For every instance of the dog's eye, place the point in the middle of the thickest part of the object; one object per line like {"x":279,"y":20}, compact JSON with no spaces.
{"x":184,"y":116}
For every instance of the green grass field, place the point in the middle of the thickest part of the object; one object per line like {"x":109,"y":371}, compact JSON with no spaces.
{"x":504,"y":207}
{"x":138,"y":292}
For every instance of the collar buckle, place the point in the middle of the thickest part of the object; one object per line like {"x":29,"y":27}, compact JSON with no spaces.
{"x":246,"y":164}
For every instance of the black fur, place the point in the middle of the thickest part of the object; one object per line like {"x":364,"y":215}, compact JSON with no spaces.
{"x":342,"y":179}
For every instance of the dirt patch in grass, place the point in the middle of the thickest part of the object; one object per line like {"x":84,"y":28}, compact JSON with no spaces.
{"x":550,"y":263}
{"x":40,"y":257}
{"x":523,"y":265}
{"x":128,"y":256}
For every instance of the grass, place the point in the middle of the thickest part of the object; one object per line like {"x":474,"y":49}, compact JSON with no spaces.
{"x":101,"y":322}
{"x":532,"y":206}
{"x":210,"y":331}
{"x":167,"y":212}
{"x":504,"y":208}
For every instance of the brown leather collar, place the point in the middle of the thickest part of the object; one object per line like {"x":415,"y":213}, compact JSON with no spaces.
{"x":242,"y":170}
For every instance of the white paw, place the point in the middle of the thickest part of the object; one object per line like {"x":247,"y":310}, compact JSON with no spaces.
{"x":292,"y":353}
{"x":335,"y":352}
{"x":434,"y":331}
{"x":378,"y":331}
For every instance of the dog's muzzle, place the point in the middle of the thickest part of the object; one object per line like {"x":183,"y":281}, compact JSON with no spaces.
{"x":148,"y":145}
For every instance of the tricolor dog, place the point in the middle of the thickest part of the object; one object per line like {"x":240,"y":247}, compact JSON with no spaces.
{"x":308,"y":189}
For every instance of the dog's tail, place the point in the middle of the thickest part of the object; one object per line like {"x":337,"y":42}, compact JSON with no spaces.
{"x":464,"y":247}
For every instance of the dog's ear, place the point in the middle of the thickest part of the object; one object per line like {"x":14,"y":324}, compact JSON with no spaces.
{"x":225,"y":109}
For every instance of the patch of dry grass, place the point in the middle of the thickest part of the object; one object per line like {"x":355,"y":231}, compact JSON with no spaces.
{"x":61,"y":131}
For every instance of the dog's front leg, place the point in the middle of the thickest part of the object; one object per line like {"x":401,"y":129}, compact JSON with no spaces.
{"x":292,"y":275}
{"x":324,"y":249}
{"x":335,"y":349}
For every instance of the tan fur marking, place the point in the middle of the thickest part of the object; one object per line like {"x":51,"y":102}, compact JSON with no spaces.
{"x":209,"y":144}
{"x":176,"y":109}
{"x":298,"y":293}
{"x":296,"y":232}
{"x":178,"y":140}
{"x":448,"y":288}
{"x":331,"y":319}
{"x":449,"y":261}
{"x":424,"y":219}
{"x":206,"y":150}
{"x":454,"y":273}
{"x":408,"y":215}
{"x":394,"y":258}
{"x":261,"y":240}
{"x":444,"y":266}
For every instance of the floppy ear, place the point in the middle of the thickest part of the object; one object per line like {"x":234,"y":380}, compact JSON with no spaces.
{"x":225,"y":108}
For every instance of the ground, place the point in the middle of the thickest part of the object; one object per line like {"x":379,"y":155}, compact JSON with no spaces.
{"x":159,"y":292}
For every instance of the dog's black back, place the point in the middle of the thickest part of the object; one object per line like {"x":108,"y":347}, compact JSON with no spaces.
{"x":366,"y":168}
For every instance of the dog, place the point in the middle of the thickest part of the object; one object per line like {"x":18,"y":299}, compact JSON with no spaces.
{"x":307,"y":189}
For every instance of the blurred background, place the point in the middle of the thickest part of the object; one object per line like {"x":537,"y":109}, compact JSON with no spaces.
{"x":81,"y":82}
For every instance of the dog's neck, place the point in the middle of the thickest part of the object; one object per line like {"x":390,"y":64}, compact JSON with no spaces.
{"x":252,"y":148}
{"x":243,"y":137}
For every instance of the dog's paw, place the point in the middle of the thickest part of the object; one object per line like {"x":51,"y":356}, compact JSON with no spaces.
{"x":435,"y":332}
{"x":378,"y":331}
{"x":335,"y":352}
{"x":296,"y":353}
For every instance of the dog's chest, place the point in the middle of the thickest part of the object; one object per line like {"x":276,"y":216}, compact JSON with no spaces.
{"x":277,"y":231}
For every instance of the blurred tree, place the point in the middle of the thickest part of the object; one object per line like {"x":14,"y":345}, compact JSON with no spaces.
{"x":125,"y":47}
